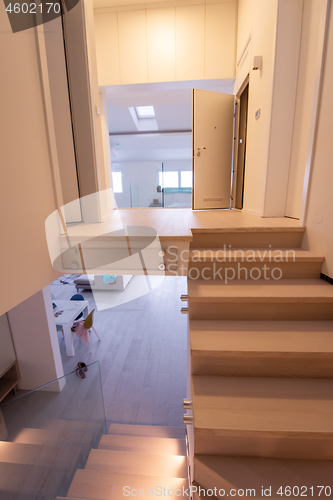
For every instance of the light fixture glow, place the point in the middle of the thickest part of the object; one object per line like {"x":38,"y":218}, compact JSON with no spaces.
{"x":145,"y":111}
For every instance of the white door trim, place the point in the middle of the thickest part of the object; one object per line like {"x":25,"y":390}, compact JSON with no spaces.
{"x":319,"y":70}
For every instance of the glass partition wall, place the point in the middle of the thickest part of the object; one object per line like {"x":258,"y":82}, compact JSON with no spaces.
{"x":47,"y":434}
{"x":153,"y":184}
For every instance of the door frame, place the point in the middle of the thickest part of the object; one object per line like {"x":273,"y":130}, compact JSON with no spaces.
{"x":236,"y":140}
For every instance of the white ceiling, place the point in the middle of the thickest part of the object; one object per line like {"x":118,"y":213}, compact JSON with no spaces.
{"x":172,"y":102}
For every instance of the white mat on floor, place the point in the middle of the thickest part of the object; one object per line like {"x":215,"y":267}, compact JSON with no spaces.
{"x":138,"y":286}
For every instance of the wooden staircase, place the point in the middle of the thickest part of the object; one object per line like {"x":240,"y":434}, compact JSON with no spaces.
{"x":134,"y":457}
{"x":261,"y":365}
{"x":261,"y":380}
{"x":37,"y":462}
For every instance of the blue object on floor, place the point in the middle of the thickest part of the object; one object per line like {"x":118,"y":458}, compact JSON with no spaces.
{"x":77,"y":296}
{"x":109,"y":278}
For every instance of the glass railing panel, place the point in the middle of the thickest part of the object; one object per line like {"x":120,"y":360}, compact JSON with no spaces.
{"x":47,"y":434}
{"x":153,"y":184}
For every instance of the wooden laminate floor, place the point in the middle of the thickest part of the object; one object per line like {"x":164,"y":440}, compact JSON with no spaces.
{"x":178,"y":222}
{"x":142,"y":354}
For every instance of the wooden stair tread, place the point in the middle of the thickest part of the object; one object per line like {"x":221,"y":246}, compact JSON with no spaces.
{"x":253,"y":473}
{"x":123,"y":462}
{"x":247,"y":337}
{"x":260,"y":290}
{"x":244,"y":405}
{"x":147,"y":431}
{"x":143,"y":444}
{"x":254,"y":255}
{"x":96,"y":485}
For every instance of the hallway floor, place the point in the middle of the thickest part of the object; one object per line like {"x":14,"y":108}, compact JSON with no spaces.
{"x":142,"y":354}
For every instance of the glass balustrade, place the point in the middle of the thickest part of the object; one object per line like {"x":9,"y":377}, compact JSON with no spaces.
{"x":47,"y":434}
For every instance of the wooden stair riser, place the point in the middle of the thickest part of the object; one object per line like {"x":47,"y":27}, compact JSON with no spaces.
{"x":200,"y":493}
{"x":232,"y":473}
{"x":262,"y":348}
{"x":206,"y":478}
{"x":95,"y":485}
{"x":54,"y":438}
{"x":263,"y":310}
{"x":61,"y":456}
{"x":147,"y":431}
{"x":139,"y":464}
{"x":263,"y":417}
{"x":140,"y":444}
{"x":249,"y":239}
{"x":260,"y":444}
{"x":228,"y":271}
{"x":315,"y":365}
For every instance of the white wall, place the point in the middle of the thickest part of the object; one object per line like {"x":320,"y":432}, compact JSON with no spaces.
{"x":27,"y":195}
{"x":284,"y":86}
{"x":312,"y":13}
{"x":319,"y":220}
{"x":257,"y":20}
{"x":271,"y":29}
{"x":36,"y":341}
{"x":147,"y":43}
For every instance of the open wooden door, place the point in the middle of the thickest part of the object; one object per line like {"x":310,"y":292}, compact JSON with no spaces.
{"x":212,"y":139}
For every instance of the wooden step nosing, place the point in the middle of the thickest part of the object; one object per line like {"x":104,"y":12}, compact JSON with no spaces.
{"x":127,"y":454}
{"x":203,"y":327}
{"x":229,"y":257}
{"x":263,"y":299}
{"x":220,"y":353}
{"x":113,"y":430}
{"x":251,"y":230}
{"x":262,"y":434}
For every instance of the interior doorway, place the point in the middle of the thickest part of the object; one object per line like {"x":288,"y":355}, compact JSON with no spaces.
{"x":242,"y":99}
{"x":151,"y":154}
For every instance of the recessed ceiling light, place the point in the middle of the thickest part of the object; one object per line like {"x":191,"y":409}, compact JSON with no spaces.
{"x":145,"y":111}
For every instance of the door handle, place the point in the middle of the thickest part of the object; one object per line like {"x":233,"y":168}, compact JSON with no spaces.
{"x":198,"y":151}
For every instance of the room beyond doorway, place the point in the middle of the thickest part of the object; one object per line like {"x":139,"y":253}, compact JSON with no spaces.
{"x":151,"y":155}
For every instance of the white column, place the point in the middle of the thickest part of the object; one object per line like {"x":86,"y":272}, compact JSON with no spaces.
{"x":36,"y":342}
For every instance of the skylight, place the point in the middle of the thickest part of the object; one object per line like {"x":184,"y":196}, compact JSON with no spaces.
{"x":145,"y":111}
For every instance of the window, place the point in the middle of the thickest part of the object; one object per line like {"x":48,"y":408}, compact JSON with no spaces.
{"x":117,"y":182}
{"x":145,"y":111}
{"x":186,"y":179}
{"x":168,"y":179}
